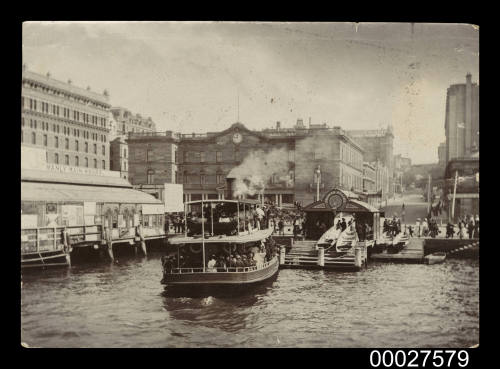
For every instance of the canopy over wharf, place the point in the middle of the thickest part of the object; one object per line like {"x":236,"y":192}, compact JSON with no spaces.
{"x":54,"y":198}
{"x":338,"y":202}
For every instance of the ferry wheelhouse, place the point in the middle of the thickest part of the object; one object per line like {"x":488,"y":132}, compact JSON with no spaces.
{"x":225,"y":243}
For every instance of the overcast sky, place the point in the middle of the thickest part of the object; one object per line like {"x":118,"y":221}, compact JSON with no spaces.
{"x":187,"y":76}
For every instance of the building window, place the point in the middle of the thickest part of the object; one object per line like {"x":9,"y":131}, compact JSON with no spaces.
{"x":151,"y":176}
{"x":125,"y":152}
{"x":220,"y":178}
{"x":86,"y":147}
{"x":95,"y":148}
{"x":149,"y":155}
{"x":184,"y":156}
{"x":66,"y":143}
{"x":44,"y":140}
{"x":202,"y":179}
{"x":56,"y":158}
{"x":66,"y":159}
{"x":103,"y":150}
{"x":77,"y":161}
{"x":86,"y":162}
{"x":95,"y":163}
{"x":202,"y":157}
{"x":218,"y":156}
{"x":33,"y":138}
{"x":104,"y":164}
{"x":77,"y":145}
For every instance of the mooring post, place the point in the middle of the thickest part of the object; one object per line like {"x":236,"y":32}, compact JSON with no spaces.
{"x":282,"y":254}
{"x":321,"y":256}
{"x":357,"y":257}
{"x":109,"y":238}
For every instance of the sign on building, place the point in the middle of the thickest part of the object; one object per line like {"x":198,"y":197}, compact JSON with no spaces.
{"x":173,"y":198}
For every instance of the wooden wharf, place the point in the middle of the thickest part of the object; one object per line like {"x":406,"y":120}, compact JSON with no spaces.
{"x":305,"y":255}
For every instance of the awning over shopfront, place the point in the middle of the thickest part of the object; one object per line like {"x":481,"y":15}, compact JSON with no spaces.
{"x":56,"y":192}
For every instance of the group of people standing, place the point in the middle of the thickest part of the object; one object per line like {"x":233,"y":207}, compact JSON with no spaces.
{"x":177,"y":221}
{"x":467,"y":226}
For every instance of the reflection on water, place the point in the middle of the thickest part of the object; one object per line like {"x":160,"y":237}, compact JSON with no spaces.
{"x":124,"y":305}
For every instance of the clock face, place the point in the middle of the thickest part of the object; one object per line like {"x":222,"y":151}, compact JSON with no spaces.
{"x":335,"y":201}
{"x":237,"y":138}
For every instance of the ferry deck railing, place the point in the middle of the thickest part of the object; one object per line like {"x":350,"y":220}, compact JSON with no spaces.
{"x":223,"y":270}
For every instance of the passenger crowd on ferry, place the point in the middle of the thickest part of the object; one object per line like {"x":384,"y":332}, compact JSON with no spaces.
{"x":221,"y":261}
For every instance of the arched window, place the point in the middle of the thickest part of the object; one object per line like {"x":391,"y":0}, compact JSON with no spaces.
{"x":151,"y":176}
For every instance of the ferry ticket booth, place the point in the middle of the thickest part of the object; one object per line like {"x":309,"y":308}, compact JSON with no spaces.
{"x":320,"y":215}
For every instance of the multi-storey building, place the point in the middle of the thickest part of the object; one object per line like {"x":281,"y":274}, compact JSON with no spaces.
{"x":69,"y":122}
{"x":378,"y":145}
{"x":128,"y":122}
{"x":118,"y":156}
{"x":202,"y":162}
{"x":462,"y":119}
{"x":122,"y":122}
{"x":442,"y":154}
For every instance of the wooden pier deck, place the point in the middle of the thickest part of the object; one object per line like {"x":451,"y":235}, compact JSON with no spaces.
{"x":413,"y":252}
{"x":304,"y":255}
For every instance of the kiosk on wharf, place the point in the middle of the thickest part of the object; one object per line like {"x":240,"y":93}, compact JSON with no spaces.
{"x":339,"y":230}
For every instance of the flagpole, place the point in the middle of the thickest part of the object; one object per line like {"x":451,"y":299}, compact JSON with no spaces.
{"x":454,"y":194}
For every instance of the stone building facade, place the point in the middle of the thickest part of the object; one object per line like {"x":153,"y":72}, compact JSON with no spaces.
{"x":70,"y":123}
{"x":202,"y":162}
{"x":378,"y":145}
{"x":129,"y":122}
{"x":118,"y":159}
{"x":462,"y":119}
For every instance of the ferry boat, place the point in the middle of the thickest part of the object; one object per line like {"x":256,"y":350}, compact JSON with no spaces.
{"x":220,"y":247}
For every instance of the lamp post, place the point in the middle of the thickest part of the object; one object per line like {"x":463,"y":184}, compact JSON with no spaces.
{"x":318,"y":179}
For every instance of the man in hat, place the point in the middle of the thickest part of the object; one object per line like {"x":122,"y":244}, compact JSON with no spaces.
{"x":417,"y":227}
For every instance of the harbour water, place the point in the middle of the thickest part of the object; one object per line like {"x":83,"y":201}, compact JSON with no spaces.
{"x":124,"y":305}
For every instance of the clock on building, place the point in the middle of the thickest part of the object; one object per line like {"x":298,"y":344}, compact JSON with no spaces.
{"x":237,"y":138}
{"x":336,"y":199}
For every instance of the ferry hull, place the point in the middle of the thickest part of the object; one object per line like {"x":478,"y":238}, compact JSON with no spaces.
{"x":221,"y":278}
